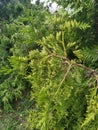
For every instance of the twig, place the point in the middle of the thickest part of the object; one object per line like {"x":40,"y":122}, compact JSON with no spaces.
{"x":66,"y":74}
{"x":85,"y":67}
{"x":67,"y":61}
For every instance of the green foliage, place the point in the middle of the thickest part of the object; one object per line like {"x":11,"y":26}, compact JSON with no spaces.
{"x":49,"y":63}
{"x":59,"y":87}
{"x":90,"y":56}
{"x":60,"y":96}
{"x":17,"y":39}
{"x":15,"y":119}
{"x":92,"y":111}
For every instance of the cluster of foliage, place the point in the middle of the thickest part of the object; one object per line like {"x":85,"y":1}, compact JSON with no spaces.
{"x":53,"y":59}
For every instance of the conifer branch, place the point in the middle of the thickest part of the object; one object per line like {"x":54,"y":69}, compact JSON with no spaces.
{"x":67,"y":61}
{"x":65,"y":76}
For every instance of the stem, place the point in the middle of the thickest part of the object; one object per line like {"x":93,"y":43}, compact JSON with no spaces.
{"x":65,"y":76}
{"x":63,"y":43}
{"x":67,"y":61}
